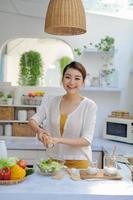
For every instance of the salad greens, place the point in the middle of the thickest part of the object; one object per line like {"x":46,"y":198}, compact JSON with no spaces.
{"x":49,"y":166}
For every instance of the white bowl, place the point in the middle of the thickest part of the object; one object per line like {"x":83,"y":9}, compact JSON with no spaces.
{"x":92,"y":170}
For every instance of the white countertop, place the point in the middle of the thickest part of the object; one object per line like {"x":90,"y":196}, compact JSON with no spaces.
{"x":42,"y":188}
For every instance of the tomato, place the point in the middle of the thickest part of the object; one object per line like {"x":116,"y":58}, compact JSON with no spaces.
{"x":1,"y":174}
{"x":5,"y":173}
{"x":22,"y":163}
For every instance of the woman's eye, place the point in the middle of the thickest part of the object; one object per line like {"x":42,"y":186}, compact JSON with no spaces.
{"x":77,"y":78}
{"x":67,"y":77}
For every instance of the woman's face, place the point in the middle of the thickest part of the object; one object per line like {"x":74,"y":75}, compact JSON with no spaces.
{"x":72,"y":81}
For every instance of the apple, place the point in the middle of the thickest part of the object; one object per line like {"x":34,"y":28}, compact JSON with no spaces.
{"x":31,"y":94}
{"x":22,"y":163}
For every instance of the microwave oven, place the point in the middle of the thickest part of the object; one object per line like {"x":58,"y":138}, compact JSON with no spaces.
{"x":118,"y":129}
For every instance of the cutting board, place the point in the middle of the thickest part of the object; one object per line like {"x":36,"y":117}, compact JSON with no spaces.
{"x":100,"y":175}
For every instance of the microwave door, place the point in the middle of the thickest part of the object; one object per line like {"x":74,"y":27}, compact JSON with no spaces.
{"x":116,"y":129}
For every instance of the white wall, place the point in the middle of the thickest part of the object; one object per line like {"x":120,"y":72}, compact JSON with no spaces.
{"x":13,"y":26}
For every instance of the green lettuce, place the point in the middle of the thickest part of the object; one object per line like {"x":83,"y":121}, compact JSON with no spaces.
{"x":8,"y":162}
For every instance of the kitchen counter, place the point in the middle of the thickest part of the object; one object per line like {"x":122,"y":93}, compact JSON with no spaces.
{"x":121,"y":148}
{"x":97,"y":145}
{"x":41,"y":188}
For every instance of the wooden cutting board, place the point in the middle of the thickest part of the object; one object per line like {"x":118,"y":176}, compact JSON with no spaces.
{"x":100,"y":175}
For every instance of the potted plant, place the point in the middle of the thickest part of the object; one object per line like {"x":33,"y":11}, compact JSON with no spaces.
{"x":31,"y":68}
{"x":106,"y":44}
{"x":9,"y":99}
{"x":78,"y":51}
{"x":108,"y":77}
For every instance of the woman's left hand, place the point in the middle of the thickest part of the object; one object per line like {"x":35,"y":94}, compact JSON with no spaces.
{"x":53,"y":140}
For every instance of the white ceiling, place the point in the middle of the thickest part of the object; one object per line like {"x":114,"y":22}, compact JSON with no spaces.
{"x":36,"y":8}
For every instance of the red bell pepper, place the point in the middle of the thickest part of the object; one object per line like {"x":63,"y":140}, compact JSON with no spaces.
{"x":5,"y":173}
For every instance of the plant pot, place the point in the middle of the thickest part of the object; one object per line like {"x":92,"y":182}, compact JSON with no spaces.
{"x":9,"y":101}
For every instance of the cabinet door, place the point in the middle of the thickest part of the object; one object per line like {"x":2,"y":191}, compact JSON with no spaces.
{"x":98,"y":155}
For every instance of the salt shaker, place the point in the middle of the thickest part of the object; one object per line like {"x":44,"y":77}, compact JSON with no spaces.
{"x":3,"y":150}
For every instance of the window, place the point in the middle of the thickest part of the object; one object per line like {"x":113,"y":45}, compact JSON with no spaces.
{"x":51,"y":50}
{"x":116,"y":8}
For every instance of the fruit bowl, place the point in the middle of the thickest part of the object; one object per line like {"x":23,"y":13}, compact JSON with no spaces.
{"x":11,"y":182}
{"x":49,"y":167}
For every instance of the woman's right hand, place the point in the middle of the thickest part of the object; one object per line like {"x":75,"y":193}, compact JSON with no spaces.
{"x":43,"y":136}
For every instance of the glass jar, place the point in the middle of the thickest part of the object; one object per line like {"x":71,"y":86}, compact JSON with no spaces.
{"x":22,"y":115}
{"x":110,"y":165}
{"x":3,"y":150}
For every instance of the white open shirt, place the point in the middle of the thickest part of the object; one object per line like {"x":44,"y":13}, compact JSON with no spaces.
{"x":79,"y":123}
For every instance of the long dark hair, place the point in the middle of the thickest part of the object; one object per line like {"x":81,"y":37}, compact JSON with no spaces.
{"x":77,"y":66}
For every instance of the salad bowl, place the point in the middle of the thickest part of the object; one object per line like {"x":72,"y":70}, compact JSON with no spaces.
{"x":49,"y":167}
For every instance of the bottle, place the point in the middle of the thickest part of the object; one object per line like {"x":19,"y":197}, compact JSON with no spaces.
{"x":3,"y":150}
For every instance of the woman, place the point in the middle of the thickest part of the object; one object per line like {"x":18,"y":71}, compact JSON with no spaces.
{"x":68,"y":120}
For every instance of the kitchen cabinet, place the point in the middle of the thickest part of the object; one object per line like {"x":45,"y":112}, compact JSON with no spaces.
{"x":14,"y":119}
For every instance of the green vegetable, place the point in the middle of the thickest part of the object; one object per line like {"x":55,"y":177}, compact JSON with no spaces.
{"x":29,"y":171}
{"x":49,"y":166}
{"x":9,"y":162}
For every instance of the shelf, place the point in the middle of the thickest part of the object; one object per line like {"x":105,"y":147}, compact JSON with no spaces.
{"x":20,"y":106}
{"x":94,"y":50}
{"x":17,"y":138}
{"x":101,"y":89}
{"x":13,"y":121}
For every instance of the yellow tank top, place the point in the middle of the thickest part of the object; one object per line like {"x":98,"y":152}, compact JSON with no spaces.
{"x":79,"y":164}
{"x":63,"y":118}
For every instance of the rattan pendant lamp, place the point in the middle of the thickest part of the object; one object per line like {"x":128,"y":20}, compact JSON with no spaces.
{"x":65,"y":17}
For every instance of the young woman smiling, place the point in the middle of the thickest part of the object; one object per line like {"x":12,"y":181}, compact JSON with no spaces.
{"x":68,"y":120}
